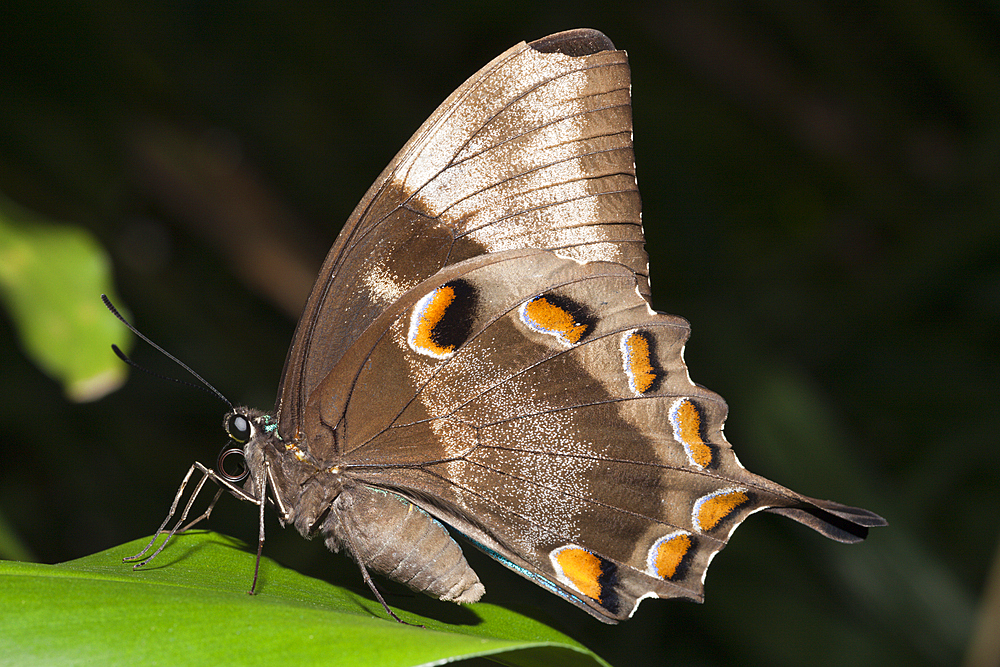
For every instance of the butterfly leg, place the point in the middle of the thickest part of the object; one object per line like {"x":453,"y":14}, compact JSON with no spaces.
{"x":170,"y":514}
{"x":206,"y":514}
{"x":207,"y":473}
{"x":262,"y":494}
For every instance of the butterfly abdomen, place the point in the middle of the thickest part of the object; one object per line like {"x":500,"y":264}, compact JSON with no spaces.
{"x":394,"y":537}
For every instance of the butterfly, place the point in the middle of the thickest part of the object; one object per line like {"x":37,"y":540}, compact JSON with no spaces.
{"x":479,"y":356}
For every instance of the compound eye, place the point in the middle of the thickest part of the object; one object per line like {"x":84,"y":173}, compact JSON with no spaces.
{"x":238,"y":428}
{"x":242,"y":471}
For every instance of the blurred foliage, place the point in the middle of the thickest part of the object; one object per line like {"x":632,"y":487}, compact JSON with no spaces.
{"x":11,"y":545}
{"x":49,"y":275}
{"x":820,"y":201}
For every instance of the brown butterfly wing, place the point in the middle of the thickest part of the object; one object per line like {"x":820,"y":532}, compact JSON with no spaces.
{"x":540,"y":407}
{"x":533,"y":151}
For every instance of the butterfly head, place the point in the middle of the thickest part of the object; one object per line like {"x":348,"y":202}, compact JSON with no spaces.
{"x":241,"y":459}
{"x":240,"y":430}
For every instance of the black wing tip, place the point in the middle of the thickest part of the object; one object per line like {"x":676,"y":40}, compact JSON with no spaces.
{"x":842,"y":523}
{"x":577,"y":42}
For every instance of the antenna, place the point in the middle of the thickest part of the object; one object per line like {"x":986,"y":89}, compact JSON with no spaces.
{"x":204,"y":386}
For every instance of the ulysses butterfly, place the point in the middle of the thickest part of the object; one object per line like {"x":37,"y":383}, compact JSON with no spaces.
{"x":479,"y":354}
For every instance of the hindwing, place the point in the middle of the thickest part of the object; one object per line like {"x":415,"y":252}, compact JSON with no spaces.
{"x":565,"y":440}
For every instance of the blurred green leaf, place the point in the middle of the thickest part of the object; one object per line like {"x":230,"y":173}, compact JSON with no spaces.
{"x":51,"y":278}
{"x":190,"y":607}
{"x":11,"y":545}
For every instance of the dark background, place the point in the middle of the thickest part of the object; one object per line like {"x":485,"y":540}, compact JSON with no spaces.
{"x":820,"y":199}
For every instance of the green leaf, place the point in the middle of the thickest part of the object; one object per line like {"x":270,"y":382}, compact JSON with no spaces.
{"x":190,"y":606}
{"x":51,"y":279}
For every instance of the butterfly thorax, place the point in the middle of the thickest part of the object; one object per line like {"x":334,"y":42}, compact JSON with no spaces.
{"x":302,"y":489}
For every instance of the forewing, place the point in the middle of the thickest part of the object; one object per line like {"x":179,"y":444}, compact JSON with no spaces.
{"x":533,"y":151}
